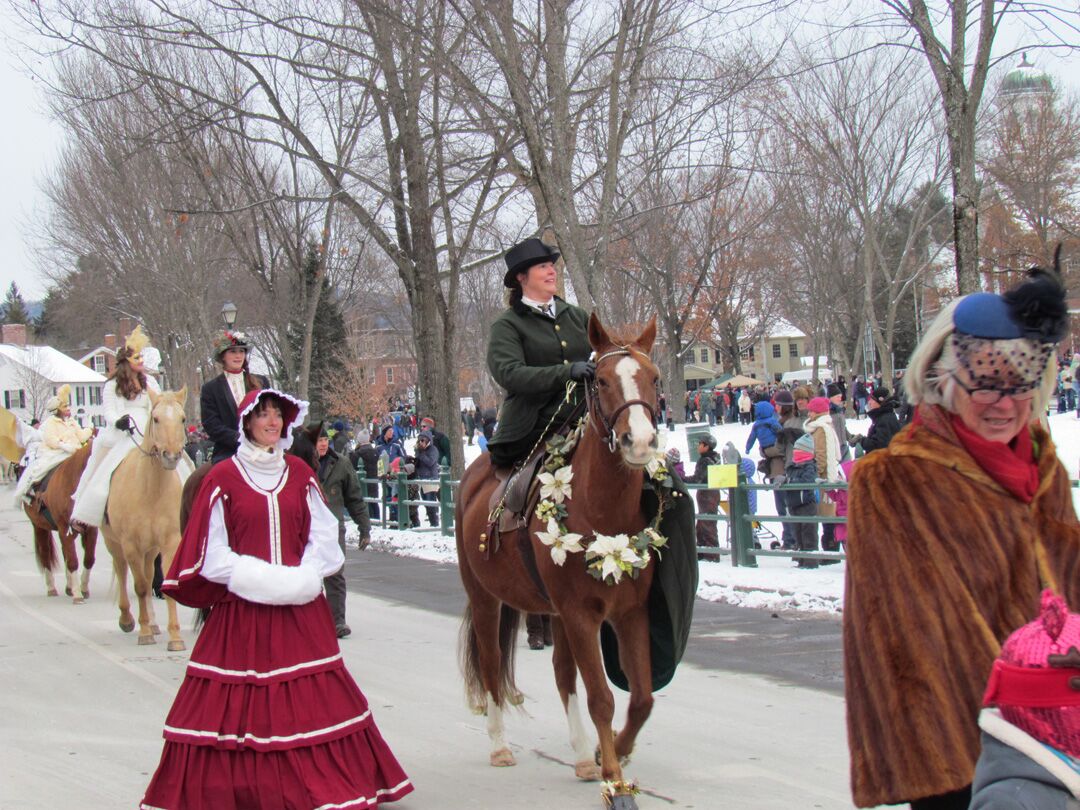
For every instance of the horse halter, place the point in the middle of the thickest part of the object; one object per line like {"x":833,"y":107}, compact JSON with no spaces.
{"x":592,"y":400}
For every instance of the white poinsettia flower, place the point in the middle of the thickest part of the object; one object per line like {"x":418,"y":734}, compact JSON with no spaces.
{"x":614,"y":549}
{"x":560,"y":542}
{"x":656,"y":467}
{"x":556,"y":486}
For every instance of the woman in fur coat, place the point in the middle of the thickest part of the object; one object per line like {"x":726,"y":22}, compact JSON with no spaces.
{"x":954,"y":530}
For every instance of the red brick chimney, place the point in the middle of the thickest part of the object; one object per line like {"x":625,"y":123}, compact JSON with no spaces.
{"x":13,"y":333}
{"x":127,"y":326}
{"x":110,"y":342}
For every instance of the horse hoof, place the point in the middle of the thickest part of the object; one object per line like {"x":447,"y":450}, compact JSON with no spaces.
{"x":86,"y":594}
{"x":52,"y":592}
{"x":144,"y":640}
{"x":127,"y":627}
{"x":79,"y":600}
{"x":176,"y":646}
{"x":503,"y":758}
{"x":155,"y":630}
{"x":587,"y":771}
{"x":67,"y":591}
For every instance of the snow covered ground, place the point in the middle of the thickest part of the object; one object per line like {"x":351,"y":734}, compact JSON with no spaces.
{"x":775,"y":584}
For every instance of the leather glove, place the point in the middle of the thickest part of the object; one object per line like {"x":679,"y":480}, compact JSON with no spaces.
{"x":582,"y":370}
{"x":124,"y":423}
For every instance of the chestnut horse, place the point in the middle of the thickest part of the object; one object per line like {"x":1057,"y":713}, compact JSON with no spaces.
{"x":142,"y":515}
{"x":608,"y":475}
{"x":56,"y":499}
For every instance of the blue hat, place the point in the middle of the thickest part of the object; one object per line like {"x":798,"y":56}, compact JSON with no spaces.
{"x":986,"y":315}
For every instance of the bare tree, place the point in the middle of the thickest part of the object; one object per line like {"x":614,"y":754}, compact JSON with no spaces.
{"x":957,"y":39}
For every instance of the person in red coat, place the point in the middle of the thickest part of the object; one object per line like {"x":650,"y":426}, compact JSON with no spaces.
{"x":267,"y":715}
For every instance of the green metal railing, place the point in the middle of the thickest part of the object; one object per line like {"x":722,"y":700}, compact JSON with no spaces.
{"x":744,"y":544}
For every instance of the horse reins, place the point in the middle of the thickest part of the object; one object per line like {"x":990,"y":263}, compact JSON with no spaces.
{"x":593,"y":403}
{"x":155,"y":453}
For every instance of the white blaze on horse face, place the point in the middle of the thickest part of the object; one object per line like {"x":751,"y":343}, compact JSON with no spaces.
{"x":642,"y":430}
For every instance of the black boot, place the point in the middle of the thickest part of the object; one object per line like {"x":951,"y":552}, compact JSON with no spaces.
{"x":534,"y":624}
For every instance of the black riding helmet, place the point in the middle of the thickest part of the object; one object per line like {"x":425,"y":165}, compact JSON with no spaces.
{"x":708,"y":440}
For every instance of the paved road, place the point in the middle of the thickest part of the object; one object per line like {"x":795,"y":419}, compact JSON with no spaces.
{"x":793,"y":648}
{"x":82,"y":705}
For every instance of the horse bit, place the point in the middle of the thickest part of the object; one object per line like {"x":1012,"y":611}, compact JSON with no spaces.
{"x":593,"y":403}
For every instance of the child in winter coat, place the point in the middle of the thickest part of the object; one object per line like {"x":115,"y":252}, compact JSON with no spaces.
{"x":674,"y":462}
{"x":803,"y":470}
{"x":765,"y":429}
{"x":1031,"y":742}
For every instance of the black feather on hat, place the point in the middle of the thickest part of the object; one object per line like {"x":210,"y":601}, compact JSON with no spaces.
{"x":1038,"y":304}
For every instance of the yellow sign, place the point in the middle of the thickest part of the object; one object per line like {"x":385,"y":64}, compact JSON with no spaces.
{"x":723,"y":476}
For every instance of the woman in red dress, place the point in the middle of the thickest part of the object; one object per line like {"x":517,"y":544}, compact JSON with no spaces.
{"x":267,"y":715}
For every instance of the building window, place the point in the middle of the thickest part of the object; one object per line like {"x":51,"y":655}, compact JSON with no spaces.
{"x":704,"y":355}
{"x":750,"y":354}
{"x":371,"y":375}
{"x":97,"y":420}
{"x":99,"y":363}
{"x":80,"y":395}
{"x":95,"y":394}
{"x":793,"y":349}
{"x":717,"y":355}
{"x":389,"y":375}
{"x":776,"y":350}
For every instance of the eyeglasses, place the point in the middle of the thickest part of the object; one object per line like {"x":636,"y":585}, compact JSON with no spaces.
{"x":989,"y":396}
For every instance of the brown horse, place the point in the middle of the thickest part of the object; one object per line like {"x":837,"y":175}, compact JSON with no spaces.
{"x":56,"y":500}
{"x":608,"y":474}
{"x":142,"y":516}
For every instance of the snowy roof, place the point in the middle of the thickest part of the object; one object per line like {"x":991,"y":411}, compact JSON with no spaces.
{"x":50,"y":363}
{"x":783,"y":329}
{"x":98,"y":350}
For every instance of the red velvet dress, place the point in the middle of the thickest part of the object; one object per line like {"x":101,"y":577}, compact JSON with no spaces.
{"x":267,"y":715}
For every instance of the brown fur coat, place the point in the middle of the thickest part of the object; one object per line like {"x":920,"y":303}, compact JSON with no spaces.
{"x":942,"y":566}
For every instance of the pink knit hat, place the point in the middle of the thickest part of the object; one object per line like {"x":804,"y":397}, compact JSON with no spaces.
{"x":818,"y":405}
{"x":1036,"y":680}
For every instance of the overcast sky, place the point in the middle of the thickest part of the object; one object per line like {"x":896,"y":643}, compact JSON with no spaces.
{"x":29,"y":142}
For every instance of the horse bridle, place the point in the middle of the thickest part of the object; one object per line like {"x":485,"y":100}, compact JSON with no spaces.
{"x":597,"y":415}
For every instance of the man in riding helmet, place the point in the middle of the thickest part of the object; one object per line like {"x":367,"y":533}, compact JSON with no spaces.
{"x":537,"y":346}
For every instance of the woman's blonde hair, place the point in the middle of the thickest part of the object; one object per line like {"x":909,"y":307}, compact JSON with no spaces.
{"x":929,"y":377}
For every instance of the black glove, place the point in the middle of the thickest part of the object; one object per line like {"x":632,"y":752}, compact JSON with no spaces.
{"x":124,"y":423}
{"x":582,"y":370}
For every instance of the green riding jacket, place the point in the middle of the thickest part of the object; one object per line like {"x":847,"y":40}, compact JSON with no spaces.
{"x":529,"y":355}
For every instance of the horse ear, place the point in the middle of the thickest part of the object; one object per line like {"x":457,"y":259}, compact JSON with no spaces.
{"x":154,"y":397}
{"x":646,"y":339}
{"x":181,"y":395}
{"x":598,"y":336}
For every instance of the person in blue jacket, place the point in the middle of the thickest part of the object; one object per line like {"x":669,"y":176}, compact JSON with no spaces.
{"x":765,"y":429}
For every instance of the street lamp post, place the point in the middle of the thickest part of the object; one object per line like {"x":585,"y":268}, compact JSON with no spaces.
{"x":228,"y":314}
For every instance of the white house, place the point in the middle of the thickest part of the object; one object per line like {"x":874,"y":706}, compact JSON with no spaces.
{"x":29,"y":375}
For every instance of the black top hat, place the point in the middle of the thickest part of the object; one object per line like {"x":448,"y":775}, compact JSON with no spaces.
{"x":524,"y":255}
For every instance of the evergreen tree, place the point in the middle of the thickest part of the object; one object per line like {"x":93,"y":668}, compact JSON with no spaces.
{"x":46,"y":324}
{"x":13,"y":310}
{"x":328,"y":333}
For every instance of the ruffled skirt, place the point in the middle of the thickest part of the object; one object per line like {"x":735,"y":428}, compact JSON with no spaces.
{"x":268,"y":717}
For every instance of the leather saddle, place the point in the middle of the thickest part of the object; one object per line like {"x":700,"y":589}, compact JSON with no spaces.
{"x":517,"y":492}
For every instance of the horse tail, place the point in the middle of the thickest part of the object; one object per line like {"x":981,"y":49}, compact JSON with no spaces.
{"x":45,"y":549}
{"x":475,"y":691}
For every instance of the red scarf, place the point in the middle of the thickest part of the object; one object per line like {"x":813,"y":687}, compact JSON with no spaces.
{"x":1012,"y":465}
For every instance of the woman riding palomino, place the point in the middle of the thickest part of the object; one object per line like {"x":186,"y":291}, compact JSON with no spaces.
{"x":537,"y":346}
{"x":220,"y":396}
{"x":61,"y":437}
{"x":127,"y":410}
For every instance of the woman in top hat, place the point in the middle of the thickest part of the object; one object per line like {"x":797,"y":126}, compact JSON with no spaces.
{"x":954,"y":529}
{"x":127,"y":408}
{"x":220,"y":396}
{"x":537,"y":346}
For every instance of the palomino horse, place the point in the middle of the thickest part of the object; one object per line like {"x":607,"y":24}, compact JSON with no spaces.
{"x":142,"y":515}
{"x":608,"y":475}
{"x":56,"y":500}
